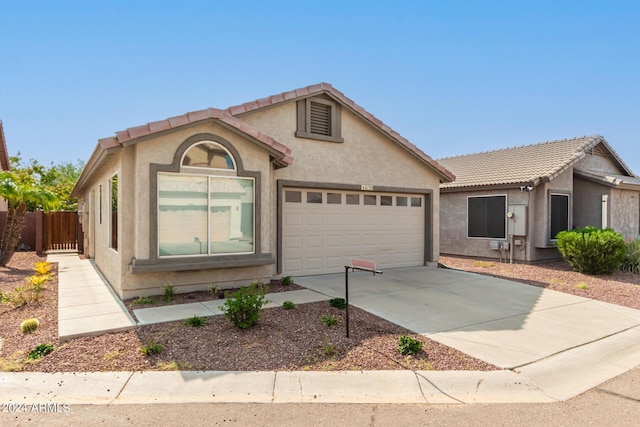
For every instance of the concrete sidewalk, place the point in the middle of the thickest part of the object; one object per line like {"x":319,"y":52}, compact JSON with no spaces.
{"x":86,"y":303}
{"x":170,"y":313}
{"x":269,"y":387}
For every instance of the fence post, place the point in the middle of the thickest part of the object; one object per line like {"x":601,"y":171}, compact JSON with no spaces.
{"x":39,"y":226}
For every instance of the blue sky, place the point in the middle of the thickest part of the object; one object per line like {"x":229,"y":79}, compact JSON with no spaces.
{"x":453,"y":77}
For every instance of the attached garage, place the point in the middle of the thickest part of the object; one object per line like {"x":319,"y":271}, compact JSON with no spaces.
{"x":323,"y":228}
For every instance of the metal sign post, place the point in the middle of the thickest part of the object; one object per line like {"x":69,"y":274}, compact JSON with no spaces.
{"x":356,"y":264}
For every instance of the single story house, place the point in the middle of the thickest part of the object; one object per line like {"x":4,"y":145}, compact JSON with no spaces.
{"x":292,"y":184}
{"x":511,"y":203}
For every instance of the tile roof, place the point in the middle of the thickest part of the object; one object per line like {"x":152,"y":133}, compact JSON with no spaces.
{"x":326,"y":88}
{"x":528,"y":164}
{"x":4,"y":154}
{"x":125,"y":137}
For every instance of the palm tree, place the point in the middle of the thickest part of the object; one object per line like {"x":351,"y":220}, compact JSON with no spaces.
{"x":19,"y":194}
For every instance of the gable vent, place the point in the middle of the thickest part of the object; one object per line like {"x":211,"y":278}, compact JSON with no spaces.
{"x":320,"y":118}
{"x":598,"y":151}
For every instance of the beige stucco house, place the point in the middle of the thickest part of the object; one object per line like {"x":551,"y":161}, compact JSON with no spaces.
{"x":293,"y":184}
{"x":511,"y":203}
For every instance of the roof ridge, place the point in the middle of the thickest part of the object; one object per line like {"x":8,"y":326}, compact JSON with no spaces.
{"x":591,"y":138}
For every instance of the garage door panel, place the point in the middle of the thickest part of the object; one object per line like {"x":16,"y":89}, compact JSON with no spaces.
{"x":320,"y":238}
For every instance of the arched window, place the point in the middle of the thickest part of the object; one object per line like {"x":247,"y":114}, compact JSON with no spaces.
{"x":206,"y":208}
{"x":209,"y":155}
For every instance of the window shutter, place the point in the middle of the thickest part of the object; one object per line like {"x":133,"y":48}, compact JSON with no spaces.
{"x":320,"y":118}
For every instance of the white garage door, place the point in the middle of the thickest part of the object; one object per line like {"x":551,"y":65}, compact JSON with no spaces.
{"x":323,"y":229}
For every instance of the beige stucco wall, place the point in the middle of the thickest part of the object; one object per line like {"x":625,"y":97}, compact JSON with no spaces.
{"x":624,"y":213}
{"x":365,"y":157}
{"x":587,"y":204}
{"x":96,"y":220}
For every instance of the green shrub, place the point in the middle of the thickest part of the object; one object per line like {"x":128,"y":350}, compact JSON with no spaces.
{"x":631,"y":262}
{"x":591,"y":250}
{"x":40,"y":351}
{"x":169,"y":292}
{"x":329,"y":321}
{"x":29,"y":325}
{"x":242,"y":307}
{"x":286,"y":281}
{"x":152,"y":347}
{"x":196,"y":321}
{"x":288,"y":305}
{"x":338,"y":303}
{"x":328,"y":348}
{"x":144,"y":301}
{"x":408,"y":345}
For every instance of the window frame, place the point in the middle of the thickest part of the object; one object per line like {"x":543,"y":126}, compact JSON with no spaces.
{"x":209,"y":233}
{"x":504,"y":217}
{"x":113,"y":234}
{"x":153,"y":264}
{"x":567,"y":196}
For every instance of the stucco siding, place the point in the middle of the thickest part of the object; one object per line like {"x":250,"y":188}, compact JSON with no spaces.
{"x":587,"y":205}
{"x":624,"y":213}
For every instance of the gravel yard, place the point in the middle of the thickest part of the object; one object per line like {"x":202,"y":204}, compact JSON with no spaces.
{"x":283,"y":340}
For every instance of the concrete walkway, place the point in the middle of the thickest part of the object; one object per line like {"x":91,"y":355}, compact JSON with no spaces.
{"x":171,"y":313}
{"x":86,"y":303}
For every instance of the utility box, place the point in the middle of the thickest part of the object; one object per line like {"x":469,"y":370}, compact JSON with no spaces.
{"x":517,"y":215}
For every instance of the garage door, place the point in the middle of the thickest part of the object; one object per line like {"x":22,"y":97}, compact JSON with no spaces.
{"x":323,"y":229}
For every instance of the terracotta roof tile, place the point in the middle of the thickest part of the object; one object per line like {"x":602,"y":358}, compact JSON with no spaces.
{"x":533,"y":163}
{"x":4,"y":155}
{"x":318,"y":88}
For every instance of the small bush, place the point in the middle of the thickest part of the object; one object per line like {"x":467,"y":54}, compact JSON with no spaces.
{"x":286,"y":281}
{"x":42,"y":268}
{"x":214,"y":289}
{"x":329,"y":321}
{"x":242,"y":307}
{"x":328,"y":348}
{"x":338,"y":303}
{"x":29,"y":325}
{"x":144,"y":301}
{"x":288,"y":305}
{"x":591,"y":250}
{"x":196,"y":321}
{"x":152,"y":347}
{"x":40,"y":351}
{"x":582,"y":285}
{"x":631,"y":263}
{"x":169,"y":293}
{"x":408,"y":345}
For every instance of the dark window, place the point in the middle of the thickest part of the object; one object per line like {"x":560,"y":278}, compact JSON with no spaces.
{"x":559,"y":214}
{"x":334,"y":198}
{"x":114,"y":212}
{"x":293,"y":196}
{"x":401,"y":201}
{"x":486,"y":217}
{"x":314,"y":197}
{"x":386,"y":200}
{"x":353,"y":199}
{"x":370,"y":199}
{"x":416,"y":202}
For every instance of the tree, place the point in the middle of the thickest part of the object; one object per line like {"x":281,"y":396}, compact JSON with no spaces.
{"x":23,"y":191}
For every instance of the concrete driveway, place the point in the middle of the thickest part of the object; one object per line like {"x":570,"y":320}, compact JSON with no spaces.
{"x":505,"y":323}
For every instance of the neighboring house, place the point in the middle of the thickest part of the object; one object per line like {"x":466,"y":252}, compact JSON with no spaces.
{"x":293,"y":184}
{"x":512,"y":203}
{"x":4,"y":163}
